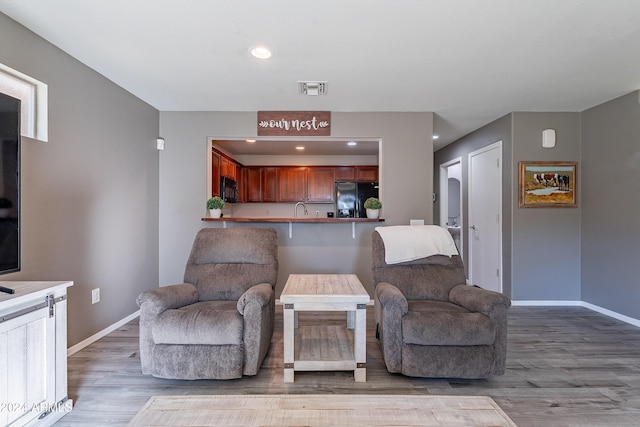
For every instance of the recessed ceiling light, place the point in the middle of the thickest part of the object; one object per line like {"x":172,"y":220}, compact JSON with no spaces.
{"x":300,"y":147}
{"x":261,"y":52}
{"x":251,"y":141}
{"x":436,"y":136}
{"x":352,"y":143}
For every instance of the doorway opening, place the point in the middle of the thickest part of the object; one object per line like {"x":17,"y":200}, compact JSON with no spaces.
{"x":451,"y":214}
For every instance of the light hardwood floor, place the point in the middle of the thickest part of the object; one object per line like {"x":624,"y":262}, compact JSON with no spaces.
{"x":566,"y":366}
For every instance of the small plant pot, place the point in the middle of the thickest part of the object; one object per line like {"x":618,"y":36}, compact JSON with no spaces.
{"x":373,"y":213}
{"x":215,"y":213}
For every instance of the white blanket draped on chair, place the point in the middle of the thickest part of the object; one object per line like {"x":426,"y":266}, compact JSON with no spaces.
{"x":404,"y":243}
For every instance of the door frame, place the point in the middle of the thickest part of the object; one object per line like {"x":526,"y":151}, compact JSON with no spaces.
{"x":444,"y":198}
{"x":482,"y":150}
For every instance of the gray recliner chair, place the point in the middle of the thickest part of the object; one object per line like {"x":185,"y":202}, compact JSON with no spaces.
{"x":430,"y":323}
{"x":219,"y":323}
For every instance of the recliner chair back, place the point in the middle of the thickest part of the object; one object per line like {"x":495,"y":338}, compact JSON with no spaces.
{"x":225,"y":262}
{"x":426,"y":278}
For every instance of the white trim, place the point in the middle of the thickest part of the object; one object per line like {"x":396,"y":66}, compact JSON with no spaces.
{"x":103,"y":333}
{"x":547,"y":303}
{"x":606,"y":312}
{"x":39,"y":105}
{"x":557,"y":303}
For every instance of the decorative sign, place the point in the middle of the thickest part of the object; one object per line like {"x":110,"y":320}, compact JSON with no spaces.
{"x":294,"y":123}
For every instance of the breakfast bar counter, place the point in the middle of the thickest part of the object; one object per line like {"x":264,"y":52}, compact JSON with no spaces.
{"x":291,"y":221}
{"x":307,"y":220}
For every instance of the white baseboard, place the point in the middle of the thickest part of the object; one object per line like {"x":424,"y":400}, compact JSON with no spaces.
{"x":95,"y":337}
{"x":622,"y":317}
{"x":557,"y":303}
{"x":547,"y":303}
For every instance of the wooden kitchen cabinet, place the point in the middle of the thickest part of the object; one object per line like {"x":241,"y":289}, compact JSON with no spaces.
{"x":232,"y":170}
{"x":292,"y":184}
{"x":367,"y":173}
{"x":227,"y":166}
{"x":269,"y":182}
{"x":356,"y":173}
{"x":260,"y":184}
{"x":224,"y":166}
{"x":345,"y":173}
{"x":252,"y":184}
{"x":216,"y":173}
{"x":320,"y":184}
{"x":287,"y":184}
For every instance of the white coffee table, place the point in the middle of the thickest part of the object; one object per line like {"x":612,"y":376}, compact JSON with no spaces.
{"x":325,"y":347}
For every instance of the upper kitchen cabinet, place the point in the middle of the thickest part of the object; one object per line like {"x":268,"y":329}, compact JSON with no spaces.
{"x":223,"y":165}
{"x":251,"y":184}
{"x":270,"y":179}
{"x":292,"y":184}
{"x":367,"y":173}
{"x":345,"y":173}
{"x":259,"y":184}
{"x":229,"y":168}
{"x":320,"y":184}
{"x":306,"y":184}
{"x":356,"y":173}
{"x":215,"y":173}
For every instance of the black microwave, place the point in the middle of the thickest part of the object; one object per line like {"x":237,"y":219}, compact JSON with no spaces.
{"x":228,"y":189}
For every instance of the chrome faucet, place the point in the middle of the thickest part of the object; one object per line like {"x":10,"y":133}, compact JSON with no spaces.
{"x":295,"y":209}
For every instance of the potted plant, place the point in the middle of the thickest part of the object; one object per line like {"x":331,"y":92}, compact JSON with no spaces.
{"x":372,"y":205}
{"x":215,"y":205}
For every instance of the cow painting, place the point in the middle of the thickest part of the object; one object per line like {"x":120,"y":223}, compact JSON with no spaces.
{"x":547,"y":184}
{"x":546,"y":179}
{"x":563,"y":182}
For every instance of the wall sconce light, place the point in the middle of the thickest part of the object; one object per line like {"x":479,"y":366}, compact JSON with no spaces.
{"x":548,"y":138}
{"x":160,"y":143}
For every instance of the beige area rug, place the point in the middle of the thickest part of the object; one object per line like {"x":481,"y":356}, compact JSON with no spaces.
{"x":321,"y":410}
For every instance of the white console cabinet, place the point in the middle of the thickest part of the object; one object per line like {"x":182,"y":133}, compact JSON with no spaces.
{"x":33,"y":353}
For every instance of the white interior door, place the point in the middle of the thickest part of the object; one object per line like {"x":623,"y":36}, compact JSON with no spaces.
{"x":485,"y":219}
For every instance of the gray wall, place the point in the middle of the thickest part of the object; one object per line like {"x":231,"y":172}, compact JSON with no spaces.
{"x":499,"y":130}
{"x":545,"y":241}
{"x":90,"y":194}
{"x":611,"y":205}
{"x":406,"y":160}
{"x":541,"y":247}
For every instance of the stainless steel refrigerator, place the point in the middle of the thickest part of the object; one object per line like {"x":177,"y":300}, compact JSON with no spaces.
{"x":350,"y":197}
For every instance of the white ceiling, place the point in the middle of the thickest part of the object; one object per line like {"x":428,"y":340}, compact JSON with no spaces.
{"x":468,"y":61}
{"x":312,"y":147}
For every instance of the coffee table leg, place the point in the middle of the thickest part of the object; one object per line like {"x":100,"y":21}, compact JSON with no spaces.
{"x":360,"y":343}
{"x":288,"y":319}
{"x":351,"y":316}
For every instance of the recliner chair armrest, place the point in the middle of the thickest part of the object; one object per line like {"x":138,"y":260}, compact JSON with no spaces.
{"x":477,"y":299}
{"x":257,"y":307}
{"x":390,"y":307}
{"x":260,"y":293}
{"x":157,"y":300}
{"x":389,"y":295}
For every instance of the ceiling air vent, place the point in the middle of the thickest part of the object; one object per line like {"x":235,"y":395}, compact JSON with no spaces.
{"x":313,"y":88}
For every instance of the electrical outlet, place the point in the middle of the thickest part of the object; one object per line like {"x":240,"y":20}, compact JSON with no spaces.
{"x":95,"y":295}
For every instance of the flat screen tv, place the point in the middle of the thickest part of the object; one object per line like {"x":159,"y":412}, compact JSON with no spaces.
{"x":9,"y":184}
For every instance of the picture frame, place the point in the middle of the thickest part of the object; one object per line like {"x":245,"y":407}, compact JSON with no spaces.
{"x":547,"y":184}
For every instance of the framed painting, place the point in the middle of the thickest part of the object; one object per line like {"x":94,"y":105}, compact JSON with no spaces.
{"x":547,"y":185}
